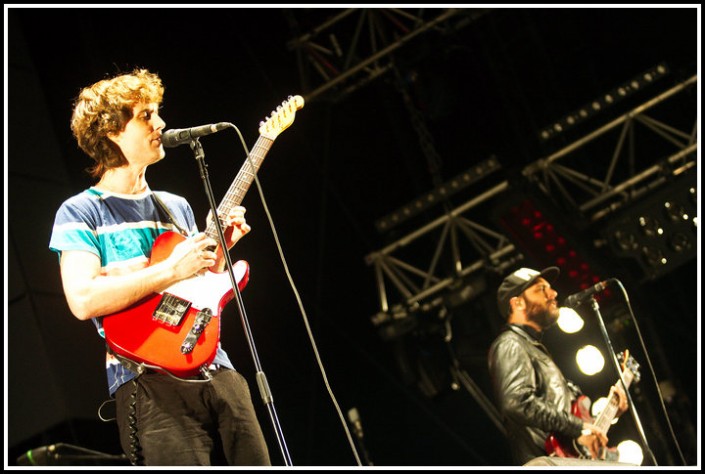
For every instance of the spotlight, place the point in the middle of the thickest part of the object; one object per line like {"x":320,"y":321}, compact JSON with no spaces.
{"x":653,"y":256}
{"x":598,"y":406}
{"x":675,"y":211}
{"x":604,"y":101}
{"x":679,"y":242}
{"x":626,"y":240}
{"x":439,"y":194}
{"x":630,"y":452}
{"x":569,"y":321}
{"x":660,"y":233}
{"x":650,"y":226}
{"x":590,"y":360}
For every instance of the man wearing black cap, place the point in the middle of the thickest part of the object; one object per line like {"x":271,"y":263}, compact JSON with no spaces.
{"x":533,"y":396}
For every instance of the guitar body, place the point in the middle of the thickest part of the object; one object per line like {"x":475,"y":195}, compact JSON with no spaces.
{"x":142,"y":333}
{"x":555,"y":446}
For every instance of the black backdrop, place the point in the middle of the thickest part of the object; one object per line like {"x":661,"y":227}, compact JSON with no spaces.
{"x":486,"y":89}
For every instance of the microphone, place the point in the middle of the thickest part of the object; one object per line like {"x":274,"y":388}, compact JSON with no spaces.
{"x":42,"y":456}
{"x":579,"y":298}
{"x":354,"y":418}
{"x":62,"y":454}
{"x":179,"y":136}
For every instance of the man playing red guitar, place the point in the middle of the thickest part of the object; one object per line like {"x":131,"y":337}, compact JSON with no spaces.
{"x":104,"y":237}
{"x":532,"y":394}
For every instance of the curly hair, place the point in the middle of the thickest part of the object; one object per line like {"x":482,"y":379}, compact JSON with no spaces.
{"x":105,"y":108}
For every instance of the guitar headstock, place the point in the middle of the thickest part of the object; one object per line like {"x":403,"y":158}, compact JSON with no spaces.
{"x":629,"y":365}
{"x":281,"y":118}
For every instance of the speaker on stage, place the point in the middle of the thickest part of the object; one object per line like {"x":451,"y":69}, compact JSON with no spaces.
{"x":574,"y":462}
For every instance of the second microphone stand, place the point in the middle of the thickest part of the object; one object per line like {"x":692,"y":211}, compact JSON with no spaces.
{"x":262,"y":384}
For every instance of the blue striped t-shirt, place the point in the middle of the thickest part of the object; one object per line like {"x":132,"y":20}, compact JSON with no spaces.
{"x":120,"y":229}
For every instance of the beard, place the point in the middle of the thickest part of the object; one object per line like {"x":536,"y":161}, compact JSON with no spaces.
{"x":544,"y":316}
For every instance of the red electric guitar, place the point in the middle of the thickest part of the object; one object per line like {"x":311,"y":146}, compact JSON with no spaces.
{"x":178,"y":330}
{"x":556,"y":446}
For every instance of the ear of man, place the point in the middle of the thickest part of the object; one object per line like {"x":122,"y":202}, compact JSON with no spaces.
{"x":518,"y":303}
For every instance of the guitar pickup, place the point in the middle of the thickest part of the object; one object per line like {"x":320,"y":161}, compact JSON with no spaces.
{"x":203,"y":317}
{"x":171,"y":309}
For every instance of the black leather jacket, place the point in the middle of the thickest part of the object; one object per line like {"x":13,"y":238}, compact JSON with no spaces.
{"x":531,"y":393}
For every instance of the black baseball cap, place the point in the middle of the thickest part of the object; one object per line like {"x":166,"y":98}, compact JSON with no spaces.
{"x":518,"y":281}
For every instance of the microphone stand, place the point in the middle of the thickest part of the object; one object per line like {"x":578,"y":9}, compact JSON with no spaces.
{"x":262,"y":383}
{"x":56,"y":454}
{"x":615,"y":364}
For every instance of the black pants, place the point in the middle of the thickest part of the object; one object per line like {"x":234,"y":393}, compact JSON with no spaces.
{"x":185,"y":423}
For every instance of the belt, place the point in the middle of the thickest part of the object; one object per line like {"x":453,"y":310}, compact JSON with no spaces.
{"x":205,"y":373}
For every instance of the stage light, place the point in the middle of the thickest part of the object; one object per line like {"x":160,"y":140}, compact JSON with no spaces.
{"x":650,"y":226}
{"x":658,"y":234}
{"x":653,"y":256}
{"x":569,"y":321}
{"x":465,"y":290}
{"x":590,"y":360}
{"x":630,"y":452}
{"x":539,"y":234}
{"x":675,"y":211}
{"x":626,"y":240}
{"x":680,"y":242}
{"x":605,"y":101}
{"x":599,"y":405}
{"x":439,"y":194}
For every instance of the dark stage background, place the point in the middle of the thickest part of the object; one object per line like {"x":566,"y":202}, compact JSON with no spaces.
{"x":483,"y":83}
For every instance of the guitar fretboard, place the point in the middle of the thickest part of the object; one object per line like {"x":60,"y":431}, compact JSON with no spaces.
{"x":241,"y":183}
{"x":604,"y":420}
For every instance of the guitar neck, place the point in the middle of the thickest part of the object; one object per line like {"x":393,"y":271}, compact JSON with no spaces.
{"x":241,"y":183}
{"x":604,"y":420}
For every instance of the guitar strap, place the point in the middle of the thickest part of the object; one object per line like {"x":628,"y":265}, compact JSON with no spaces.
{"x":136,"y":367}
{"x":170,"y":216}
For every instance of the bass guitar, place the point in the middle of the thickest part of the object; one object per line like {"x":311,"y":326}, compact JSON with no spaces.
{"x":178,"y":329}
{"x":557,"y":446}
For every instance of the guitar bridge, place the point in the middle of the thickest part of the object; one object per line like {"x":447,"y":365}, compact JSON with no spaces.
{"x":171,"y":310}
